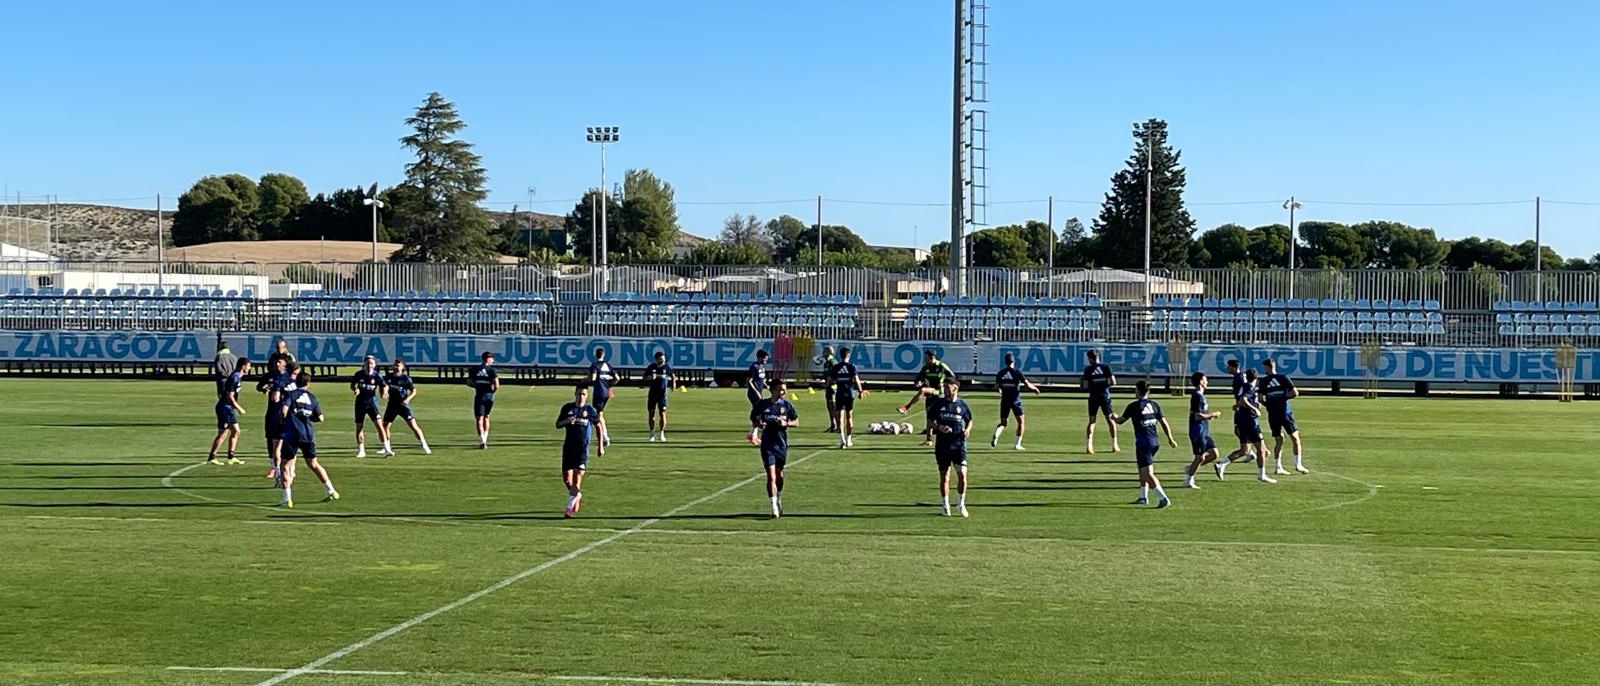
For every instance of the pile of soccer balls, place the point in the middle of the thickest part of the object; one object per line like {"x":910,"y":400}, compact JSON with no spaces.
{"x":890,"y":428}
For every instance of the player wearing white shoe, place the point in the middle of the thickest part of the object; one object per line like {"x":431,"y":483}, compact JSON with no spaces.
{"x":603,"y":377}
{"x":662,"y":381}
{"x":1146,"y":416}
{"x":952,"y":425}
{"x":775,"y":416}
{"x":228,"y":411}
{"x":300,"y":412}
{"x":1011,"y":381}
{"x":1276,"y":392}
{"x":845,"y":387}
{"x":1097,"y":380}
{"x":368,"y":386}
{"x":1247,"y":426}
{"x":484,"y":381}
{"x":577,"y":417}
{"x":402,"y":390}
{"x":755,"y":385}
{"x":1200,"y":416}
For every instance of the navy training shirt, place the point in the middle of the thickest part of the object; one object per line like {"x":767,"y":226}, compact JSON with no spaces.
{"x":578,"y":430}
{"x":400,"y":385}
{"x":603,"y":378}
{"x":303,"y":412}
{"x":772,"y":415}
{"x":482,"y":380}
{"x":757,"y":375}
{"x":1145,"y":414}
{"x":366,"y":384}
{"x":659,"y":376}
{"x":1097,"y":377}
{"x":1197,"y":407}
{"x":955,"y":415}
{"x":1275,"y":392}
{"x":1010,"y":381}
{"x":843,"y":375}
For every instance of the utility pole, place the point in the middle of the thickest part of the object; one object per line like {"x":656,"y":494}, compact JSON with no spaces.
{"x":1050,"y":255}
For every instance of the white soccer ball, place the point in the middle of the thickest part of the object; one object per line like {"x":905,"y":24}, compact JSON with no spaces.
{"x":906,"y":428}
{"x":877,"y":428}
{"x":894,"y":429}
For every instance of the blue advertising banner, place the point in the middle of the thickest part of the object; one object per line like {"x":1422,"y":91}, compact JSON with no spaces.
{"x":1473,"y":365}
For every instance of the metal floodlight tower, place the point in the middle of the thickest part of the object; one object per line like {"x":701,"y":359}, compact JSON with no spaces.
{"x":1291,"y":205}
{"x":601,"y":135}
{"x":376,"y":205}
{"x":969,"y":160}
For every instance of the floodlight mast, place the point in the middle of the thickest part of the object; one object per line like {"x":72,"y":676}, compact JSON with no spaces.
{"x":601,"y":135}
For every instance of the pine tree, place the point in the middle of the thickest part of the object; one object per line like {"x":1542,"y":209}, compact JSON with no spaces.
{"x":441,"y":221}
{"x":1119,"y":230}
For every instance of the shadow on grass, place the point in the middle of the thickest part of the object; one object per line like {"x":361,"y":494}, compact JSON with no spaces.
{"x":114,"y":488}
{"x":109,"y":425}
{"x":118,"y":505}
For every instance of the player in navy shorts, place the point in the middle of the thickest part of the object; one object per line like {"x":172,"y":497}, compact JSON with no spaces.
{"x":578,"y":418}
{"x":1011,"y":381}
{"x":368,"y":387}
{"x":844,"y":384}
{"x":774,"y":416}
{"x":484,"y":381}
{"x":300,"y":412}
{"x":402,"y":390}
{"x":1276,"y":392}
{"x":1200,"y":416}
{"x":662,"y":381}
{"x":1097,"y":380}
{"x":755,"y":386}
{"x":603,"y":377}
{"x":1247,"y":426}
{"x":952,"y":424}
{"x":1146,"y":416}
{"x":228,"y":411}
{"x":276,"y":385}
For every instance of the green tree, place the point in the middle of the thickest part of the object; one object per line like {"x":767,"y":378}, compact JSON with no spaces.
{"x":649,"y":229}
{"x":1269,"y":246}
{"x":217,"y":208}
{"x":835,"y":239}
{"x":1119,"y":230}
{"x":742,"y":231}
{"x":1076,"y":247}
{"x":1227,"y":245}
{"x":1330,"y":245}
{"x":582,"y":222}
{"x":1548,"y":258}
{"x":441,"y":221}
{"x":861,"y":258}
{"x":282,"y":196}
{"x":340,"y":216}
{"x":1398,"y":246}
{"x":1490,"y":253}
{"x":784,"y":234}
{"x":1000,"y":247}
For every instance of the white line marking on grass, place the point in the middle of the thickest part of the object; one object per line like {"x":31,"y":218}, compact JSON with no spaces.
{"x":316,"y":664}
{"x":686,"y":682}
{"x":275,"y":669}
{"x":1372,"y":492}
{"x":167,"y":481}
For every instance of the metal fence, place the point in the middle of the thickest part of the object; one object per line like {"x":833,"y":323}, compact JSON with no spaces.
{"x":1467,"y":299}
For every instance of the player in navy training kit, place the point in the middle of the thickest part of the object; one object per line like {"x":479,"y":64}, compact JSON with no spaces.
{"x":1247,"y":426}
{"x":368,"y":387}
{"x":1011,"y":381}
{"x":1276,"y":392}
{"x":276,"y":385}
{"x":1200,"y":416}
{"x":1098,"y":380}
{"x":300,"y":412}
{"x":228,"y":411}
{"x":484,"y":383}
{"x":755,"y":384}
{"x":844,"y":386}
{"x":952,"y":424}
{"x":402,"y":390}
{"x":1237,"y":383}
{"x":603,"y":378}
{"x":663,"y":381}
{"x":577,"y":417}
{"x":774,"y":416}
{"x":824,"y":364}
{"x":1146,"y":416}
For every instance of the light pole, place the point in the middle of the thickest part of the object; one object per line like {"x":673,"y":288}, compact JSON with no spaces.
{"x":602,"y":135}
{"x":1291,"y":206}
{"x":1145,"y":130}
{"x":531,"y":192}
{"x":376,"y":204}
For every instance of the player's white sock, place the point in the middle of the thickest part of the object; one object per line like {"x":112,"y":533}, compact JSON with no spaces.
{"x":996,"y":438}
{"x":361,"y":450}
{"x":1018,"y":446}
{"x":1299,"y":463}
{"x":774,"y":500}
{"x":328,"y":484}
{"x":288,"y":494}
{"x":1144,"y":492}
{"x":961,"y":500}
{"x":1160,"y":493}
{"x":945,"y":501}
{"x":483,"y":438}
{"x":425,"y":450}
{"x":662,"y":436}
{"x":1088,"y":445}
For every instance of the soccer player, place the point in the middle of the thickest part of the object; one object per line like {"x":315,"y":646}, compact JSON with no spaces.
{"x":367,"y":386}
{"x":1146,"y":416}
{"x":1247,"y":426}
{"x":932,"y":376}
{"x":300,"y":412}
{"x":576,"y":417}
{"x":281,"y":352}
{"x":1011,"y":381}
{"x":843,"y":389}
{"x":1237,"y":383}
{"x":276,"y":386}
{"x":663,"y":381}
{"x":775,"y":415}
{"x":1200,"y":416}
{"x":952,"y":423}
{"x":1098,"y":380}
{"x":228,"y":412}
{"x":484,"y":382}
{"x":1276,"y":391}
{"x":755,"y":384}
{"x":602,"y":376}
{"x":825,"y":365}
{"x":402,"y":390}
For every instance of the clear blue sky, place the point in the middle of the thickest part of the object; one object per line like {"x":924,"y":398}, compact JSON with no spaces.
{"x":741,"y":101}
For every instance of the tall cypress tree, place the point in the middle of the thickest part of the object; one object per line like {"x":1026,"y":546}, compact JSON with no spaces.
{"x":441,"y":220}
{"x":1119,"y":230}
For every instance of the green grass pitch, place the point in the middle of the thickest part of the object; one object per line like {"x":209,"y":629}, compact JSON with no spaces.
{"x":1437,"y":541}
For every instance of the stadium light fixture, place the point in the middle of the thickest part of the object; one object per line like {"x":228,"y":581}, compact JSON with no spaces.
{"x":601,"y":135}
{"x":376,"y":205}
{"x":1291,"y":205}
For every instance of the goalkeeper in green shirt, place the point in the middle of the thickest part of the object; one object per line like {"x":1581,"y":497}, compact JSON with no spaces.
{"x":932,"y":375}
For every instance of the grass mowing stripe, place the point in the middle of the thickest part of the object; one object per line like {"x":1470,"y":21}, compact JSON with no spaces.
{"x":687,"y":682}
{"x":514,"y":578}
{"x":361,"y":672}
